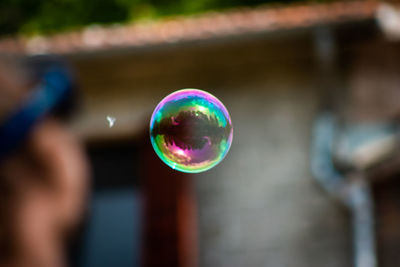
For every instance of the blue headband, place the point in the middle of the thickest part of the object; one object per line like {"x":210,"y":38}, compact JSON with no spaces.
{"x":53,"y":88}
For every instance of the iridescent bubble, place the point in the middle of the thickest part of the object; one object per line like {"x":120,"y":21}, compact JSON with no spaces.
{"x":191,"y":130}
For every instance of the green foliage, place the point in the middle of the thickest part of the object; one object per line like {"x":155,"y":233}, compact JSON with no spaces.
{"x":46,"y":16}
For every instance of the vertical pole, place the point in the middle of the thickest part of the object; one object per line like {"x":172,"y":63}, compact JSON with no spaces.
{"x":169,"y":237}
{"x":361,"y":204}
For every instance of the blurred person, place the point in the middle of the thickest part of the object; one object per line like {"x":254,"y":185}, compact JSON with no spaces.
{"x":43,"y":170}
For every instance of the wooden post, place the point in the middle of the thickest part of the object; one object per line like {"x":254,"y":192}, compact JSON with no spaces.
{"x":169,"y":236}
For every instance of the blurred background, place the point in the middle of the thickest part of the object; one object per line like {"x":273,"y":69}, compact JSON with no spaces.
{"x":276,"y":65}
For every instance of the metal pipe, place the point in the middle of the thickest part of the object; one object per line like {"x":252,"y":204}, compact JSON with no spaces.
{"x":352,"y":191}
{"x":361,"y":206}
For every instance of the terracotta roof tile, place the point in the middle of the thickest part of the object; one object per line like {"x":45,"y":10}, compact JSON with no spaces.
{"x":209,"y":25}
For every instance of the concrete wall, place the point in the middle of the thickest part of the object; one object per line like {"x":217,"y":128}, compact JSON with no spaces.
{"x":260,"y":206}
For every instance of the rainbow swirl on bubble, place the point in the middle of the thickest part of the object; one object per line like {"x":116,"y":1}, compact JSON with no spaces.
{"x":191,"y":130}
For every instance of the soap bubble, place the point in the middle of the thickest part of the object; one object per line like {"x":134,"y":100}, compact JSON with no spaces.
{"x":191,"y":130}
